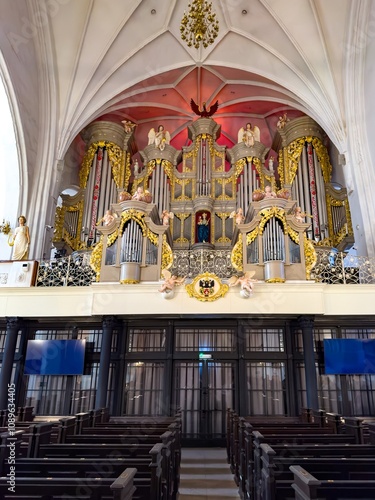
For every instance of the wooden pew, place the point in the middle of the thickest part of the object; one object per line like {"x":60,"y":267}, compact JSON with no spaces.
{"x":149,"y":479}
{"x":308,"y":487}
{"x":122,"y":488}
{"x":275,"y":474}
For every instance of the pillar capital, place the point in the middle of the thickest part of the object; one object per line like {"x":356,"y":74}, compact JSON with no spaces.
{"x":108,"y":321}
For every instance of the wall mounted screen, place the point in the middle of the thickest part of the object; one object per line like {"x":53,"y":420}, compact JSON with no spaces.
{"x":349,"y":356}
{"x":55,"y":357}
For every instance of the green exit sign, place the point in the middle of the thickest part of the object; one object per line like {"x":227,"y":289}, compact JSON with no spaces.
{"x":204,"y":355}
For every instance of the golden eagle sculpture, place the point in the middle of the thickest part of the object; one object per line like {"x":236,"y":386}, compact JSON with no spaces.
{"x":205,"y":113}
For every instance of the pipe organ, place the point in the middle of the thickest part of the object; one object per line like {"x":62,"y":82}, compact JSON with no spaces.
{"x":203,"y":185}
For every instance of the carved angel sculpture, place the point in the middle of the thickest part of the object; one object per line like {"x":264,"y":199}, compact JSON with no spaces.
{"x":170,"y":281}
{"x":128,"y":126}
{"x":159,"y":138}
{"x":245,"y":281}
{"x":238,"y":216}
{"x":166,"y":216}
{"x":249,"y":135}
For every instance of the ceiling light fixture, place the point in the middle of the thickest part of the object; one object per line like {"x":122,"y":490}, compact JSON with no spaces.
{"x":199,"y":25}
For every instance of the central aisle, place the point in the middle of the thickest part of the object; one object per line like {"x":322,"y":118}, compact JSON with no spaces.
{"x":205,"y":474}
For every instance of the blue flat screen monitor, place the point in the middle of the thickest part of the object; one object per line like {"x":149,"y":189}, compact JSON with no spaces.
{"x":349,"y":356}
{"x":55,"y":357}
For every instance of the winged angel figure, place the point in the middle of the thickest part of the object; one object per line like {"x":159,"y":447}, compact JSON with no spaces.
{"x":159,"y":138}
{"x":249,"y":135}
{"x":170,"y":281}
{"x":245,"y":281}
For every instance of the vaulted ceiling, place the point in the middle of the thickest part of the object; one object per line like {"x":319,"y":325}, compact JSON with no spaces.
{"x":117,"y":59}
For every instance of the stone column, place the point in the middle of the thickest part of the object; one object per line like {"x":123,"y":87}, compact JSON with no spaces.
{"x":105,"y":359}
{"x":12,"y":328}
{"x":306,"y":324}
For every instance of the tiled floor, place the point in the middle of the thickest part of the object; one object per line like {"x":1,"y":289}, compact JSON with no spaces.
{"x":205,"y":474}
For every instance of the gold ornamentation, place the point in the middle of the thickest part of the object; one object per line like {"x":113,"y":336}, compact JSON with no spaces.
{"x":322,"y":154}
{"x":267,"y":214}
{"x":59,"y":223}
{"x":283,"y":153}
{"x":167,"y":254}
{"x":294,"y":151}
{"x":129,"y":282}
{"x":96,"y":257}
{"x":310,"y":256}
{"x":276,"y":280}
{"x":151,"y":165}
{"x":207,"y":287}
{"x":236,"y":257}
{"x":250,"y":237}
{"x":239,"y":166}
{"x":199,"y":25}
{"x":126,"y":170}
{"x":5,"y":227}
{"x":135,"y":215}
{"x":115,"y":155}
{"x":258,"y":166}
{"x":154,"y":238}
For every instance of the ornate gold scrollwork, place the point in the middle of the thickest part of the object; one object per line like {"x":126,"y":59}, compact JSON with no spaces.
{"x":310,"y":256}
{"x":294,"y":151}
{"x":126,"y":170}
{"x":115,"y":155}
{"x":239,"y":166}
{"x":267,"y":214}
{"x":96,"y":257}
{"x":236,"y":256}
{"x":250,"y":237}
{"x":166,"y":255}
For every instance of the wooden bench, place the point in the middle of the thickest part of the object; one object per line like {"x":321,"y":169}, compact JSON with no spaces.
{"x":122,"y":488}
{"x":308,"y":487}
{"x":150,"y":479}
{"x":275,"y":473}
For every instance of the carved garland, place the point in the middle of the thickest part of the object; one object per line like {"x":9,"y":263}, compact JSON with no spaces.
{"x":266,"y":215}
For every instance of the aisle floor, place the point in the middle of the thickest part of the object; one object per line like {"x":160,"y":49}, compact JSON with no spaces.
{"x":205,"y":474}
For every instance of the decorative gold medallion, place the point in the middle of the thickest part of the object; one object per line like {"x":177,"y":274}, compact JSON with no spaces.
{"x":207,"y":287}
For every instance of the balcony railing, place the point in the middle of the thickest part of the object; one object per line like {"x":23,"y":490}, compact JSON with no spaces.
{"x":332,"y":267}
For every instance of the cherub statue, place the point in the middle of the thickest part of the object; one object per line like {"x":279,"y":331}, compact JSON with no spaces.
{"x":282,"y":121}
{"x":128,"y":126}
{"x":299,"y":215}
{"x":238,"y":216}
{"x":245,"y":281}
{"x":107,"y":218}
{"x":269,"y":193}
{"x":139,"y":195}
{"x":159,"y":138}
{"x":170,"y":281}
{"x":166,"y":216}
{"x":249,"y":135}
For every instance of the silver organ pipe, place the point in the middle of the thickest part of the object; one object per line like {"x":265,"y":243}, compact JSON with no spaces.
{"x":88,"y":195}
{"x":273,"y":241}
{"x":246,"y":185}
{"x":131,"y":243}
{"x":320,"y":189}
{"x":102,"y":206}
